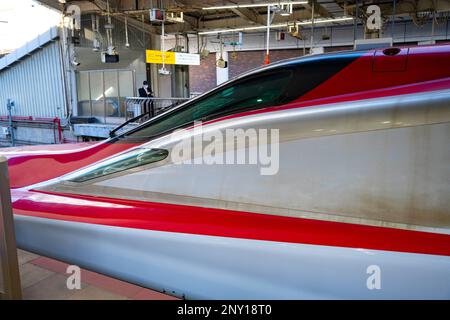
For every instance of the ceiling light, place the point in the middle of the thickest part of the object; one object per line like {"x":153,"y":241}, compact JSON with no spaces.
{"x":324,"y":20}
{"x":278,"y":25}
{"x":254,"y":5}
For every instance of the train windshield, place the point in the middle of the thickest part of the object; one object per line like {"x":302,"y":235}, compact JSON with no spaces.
{"x":128,"y":160}
{"x":268,"y":89}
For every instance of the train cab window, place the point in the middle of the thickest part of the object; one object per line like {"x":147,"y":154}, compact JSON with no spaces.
{"x":252,"y":94}
{"x":264,"y":90}
{"x":132,"y":159}
{"x":268,"y":88}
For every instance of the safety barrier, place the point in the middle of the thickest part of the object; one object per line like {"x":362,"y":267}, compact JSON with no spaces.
{"x":150,"y":106}
{"x":16,"y":122}
{"x":139,"y":110}
{"x":9,"y":268}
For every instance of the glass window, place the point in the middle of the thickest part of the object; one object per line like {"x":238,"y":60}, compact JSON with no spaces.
{"x":98,"y":106}
{"x":83,"y":86}
{"x":126,"y":84}
{"x":132,"y":159}
{"x":111,"y":93}
{"x":96,"y":85}
{"x":126,"y":89}
{"x":268,"y":89}
{"x":111,"y":86}
{"x":84,"y":98}
{"x":105,"y":92}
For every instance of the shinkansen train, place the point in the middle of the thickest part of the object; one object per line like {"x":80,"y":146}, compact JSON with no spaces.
{"x":350,"y":201}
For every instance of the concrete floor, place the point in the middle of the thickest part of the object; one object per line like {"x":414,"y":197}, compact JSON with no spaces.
{"x":45,"y":279}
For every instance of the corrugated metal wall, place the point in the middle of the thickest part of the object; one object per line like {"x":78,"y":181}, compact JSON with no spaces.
{"x":35,"y":84}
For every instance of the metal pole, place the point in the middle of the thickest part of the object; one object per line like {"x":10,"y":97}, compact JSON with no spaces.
{"x":163,"y":48}
{"x":8,"y":249}
{"x":312,"y":28}
{"x":143,"y":31}
{"x":127,"y":43}
{"x":267,"y":60}
{"x":356,"y":20}
{"x":9,"y":106}
{"x":104,"y":96}
{"x":394,"y":12}
{"x":432,"y":25}
{"x":446,"y":30}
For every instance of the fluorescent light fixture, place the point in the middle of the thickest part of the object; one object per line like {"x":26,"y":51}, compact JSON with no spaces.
{"x":316,"y":21}
{"x":279,"y":25}
{"x":275,"y":26}
{"x":254,"y":5}
{"x":284,"y":10}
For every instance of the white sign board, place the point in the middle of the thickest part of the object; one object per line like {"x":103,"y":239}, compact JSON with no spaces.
{"x":191,"y":59}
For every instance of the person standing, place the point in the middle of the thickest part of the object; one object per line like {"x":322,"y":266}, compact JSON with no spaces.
{"x":145,"y":91}
{"x":147,"y":105}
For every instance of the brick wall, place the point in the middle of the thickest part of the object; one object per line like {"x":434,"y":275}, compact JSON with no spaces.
{"x":248,"y":60}
{"x":203,"y":77}
{"x":341,"y":48}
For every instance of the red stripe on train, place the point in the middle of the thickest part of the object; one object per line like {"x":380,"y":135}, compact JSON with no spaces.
{"x":27,"y":169}
{"x":224,"y":223}
{"x":421,"y":64}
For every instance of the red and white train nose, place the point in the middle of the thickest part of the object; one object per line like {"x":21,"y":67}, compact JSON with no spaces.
{"x":360,"y":183}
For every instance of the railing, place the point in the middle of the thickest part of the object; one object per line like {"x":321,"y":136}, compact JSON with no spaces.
{"x":15,"y":122}
{"x":135,"y":106}
{"x":139,"y":110}
{"x":9,"y":267}
{"x":123,"y":127}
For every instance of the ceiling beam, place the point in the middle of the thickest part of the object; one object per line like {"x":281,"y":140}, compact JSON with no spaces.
{"x":248,"y":14}
{"x":134,"y":22}
{"x":237,"y":17}
{"x":237,"y":21}
{"x":319,"y":10}
{"x":402,"y":6}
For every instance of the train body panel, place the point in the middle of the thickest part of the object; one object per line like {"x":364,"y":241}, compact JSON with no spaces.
{"x":355,"y":175}
{"x":347,"y":149}
{"x":209,"y":267}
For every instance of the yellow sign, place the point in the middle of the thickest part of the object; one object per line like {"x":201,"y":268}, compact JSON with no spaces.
{"x":155,"y":56}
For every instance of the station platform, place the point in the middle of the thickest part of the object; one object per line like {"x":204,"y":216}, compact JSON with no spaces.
{"x":43,"y":278}
{"x":97,"y":130}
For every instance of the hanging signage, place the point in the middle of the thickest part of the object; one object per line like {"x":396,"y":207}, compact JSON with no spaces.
{"x":156,"y":56}
{"x":190,"y":59}
{"x":157,"y":15}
